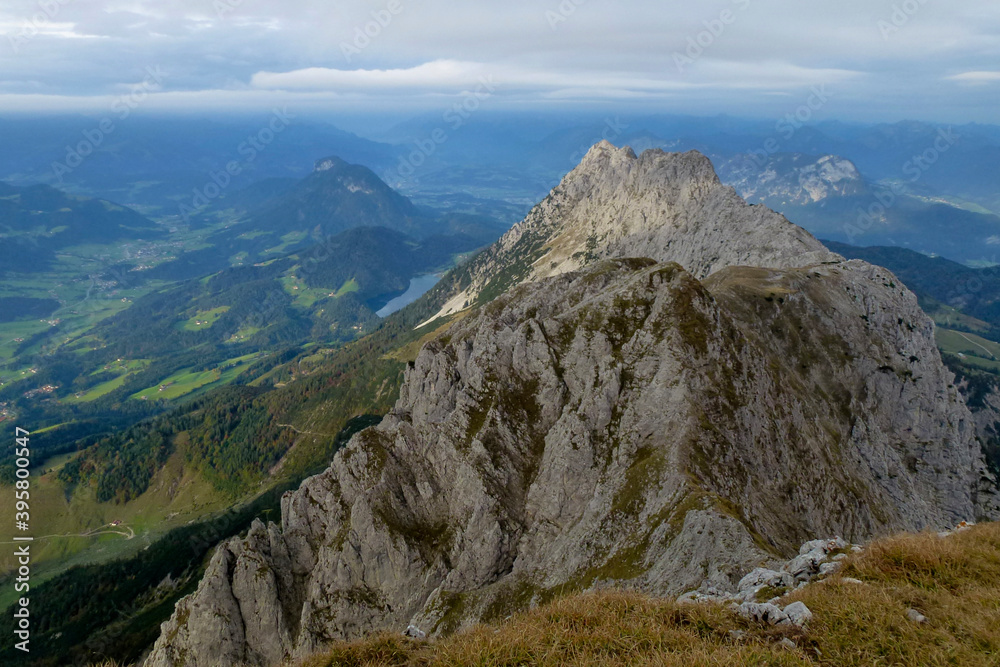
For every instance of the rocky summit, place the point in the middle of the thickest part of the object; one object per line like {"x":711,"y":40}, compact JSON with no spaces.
{"x":646,"y":384}
{"x":670,"y":207}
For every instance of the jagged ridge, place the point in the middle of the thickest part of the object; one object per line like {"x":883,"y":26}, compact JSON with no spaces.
{"x":670,"y":207}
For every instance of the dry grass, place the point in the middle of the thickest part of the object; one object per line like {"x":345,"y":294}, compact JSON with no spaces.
{"x":955,"y":582}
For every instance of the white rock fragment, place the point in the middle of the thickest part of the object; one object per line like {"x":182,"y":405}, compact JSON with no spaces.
{"x":762,"y":613}
{"x":413,"y":632}
{"x":826,"y":569}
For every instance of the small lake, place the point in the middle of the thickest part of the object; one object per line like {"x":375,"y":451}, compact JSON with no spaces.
{"x":418,"y":287}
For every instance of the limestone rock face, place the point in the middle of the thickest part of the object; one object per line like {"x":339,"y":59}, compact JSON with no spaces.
{"x":623,"y":425}
{"x":670,"y":207}
{"x":664,"y":424}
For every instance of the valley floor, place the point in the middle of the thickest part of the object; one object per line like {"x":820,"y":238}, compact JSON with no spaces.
{"x":953,"y":581}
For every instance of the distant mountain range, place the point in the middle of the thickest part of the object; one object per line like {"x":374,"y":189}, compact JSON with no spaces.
{"x":155,"y":163}
{"x":499,"y":164}
{"x":829,"y":196}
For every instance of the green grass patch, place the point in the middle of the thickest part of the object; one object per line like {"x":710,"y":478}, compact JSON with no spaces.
{"x":349,"y":287}
{"x":204,"y":319}
{"x":971,"y":349}
{"x":189,"y":382}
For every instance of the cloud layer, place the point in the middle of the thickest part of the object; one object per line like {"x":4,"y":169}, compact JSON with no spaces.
{"x":881,"y":58}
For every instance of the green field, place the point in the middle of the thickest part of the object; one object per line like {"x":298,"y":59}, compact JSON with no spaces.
{"x":204,"y":319}
{"x":126,"y":369}
{"x":972,"y":349}
{"x":77,"y":530}
{"x":287,"y":241}
{"x":949,"y":318}
{"x":187,"y":382}
{"x":306,"y":297}
{"x":10,"y":376}
{"x":12,"y":334}
{"x":349,"y":287}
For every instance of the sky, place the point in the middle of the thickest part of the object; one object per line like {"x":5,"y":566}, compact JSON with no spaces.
{"x":873,"y":59}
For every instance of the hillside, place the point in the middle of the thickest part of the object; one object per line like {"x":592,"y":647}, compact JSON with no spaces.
{"x":859,"y":619}
{"x":330,"y":394}
{"x":578,"y":422}
{"x":38,"y":220}
{"x":965,"y":304}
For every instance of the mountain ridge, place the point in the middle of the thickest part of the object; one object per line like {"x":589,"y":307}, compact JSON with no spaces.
{"x":679,"y":222}
{"x":610,"y":421}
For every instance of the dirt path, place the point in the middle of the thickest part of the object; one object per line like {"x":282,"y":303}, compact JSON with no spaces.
{"x":130,"y":534}
{"x":984,"y":349}
{"x":300,"y":432}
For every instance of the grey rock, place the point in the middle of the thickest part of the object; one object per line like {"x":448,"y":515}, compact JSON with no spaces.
{"x":805,"y":566}
{"x":798,"y":614}
{"x":762,"y":613}
{"x":916,"y":616}
{"x":787,"y":643}
{"x":670,"y":207}
{"x":762,"y":577}
{"x":823,"y":546}
{"x":826,"y":569}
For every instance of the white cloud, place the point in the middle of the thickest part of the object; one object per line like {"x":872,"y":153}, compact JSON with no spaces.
{"x":981,"y":77}
{"x":454,"y":76}
{"x":440,"y":74}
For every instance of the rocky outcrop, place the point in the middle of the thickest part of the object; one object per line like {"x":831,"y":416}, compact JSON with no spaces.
{"x":624,"y":425}
{"x":670,"y":207}
{"x":632,"y":424}
{"x":983,"y":400}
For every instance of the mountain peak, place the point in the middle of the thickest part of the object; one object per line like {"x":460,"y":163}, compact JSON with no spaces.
{"x":605,"y":151}
{"x":652,"y":167}
{"x":669,"y":207}
{"x":327,"y":164}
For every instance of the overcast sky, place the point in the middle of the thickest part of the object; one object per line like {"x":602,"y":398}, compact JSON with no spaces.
{"x":879,"y":59}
